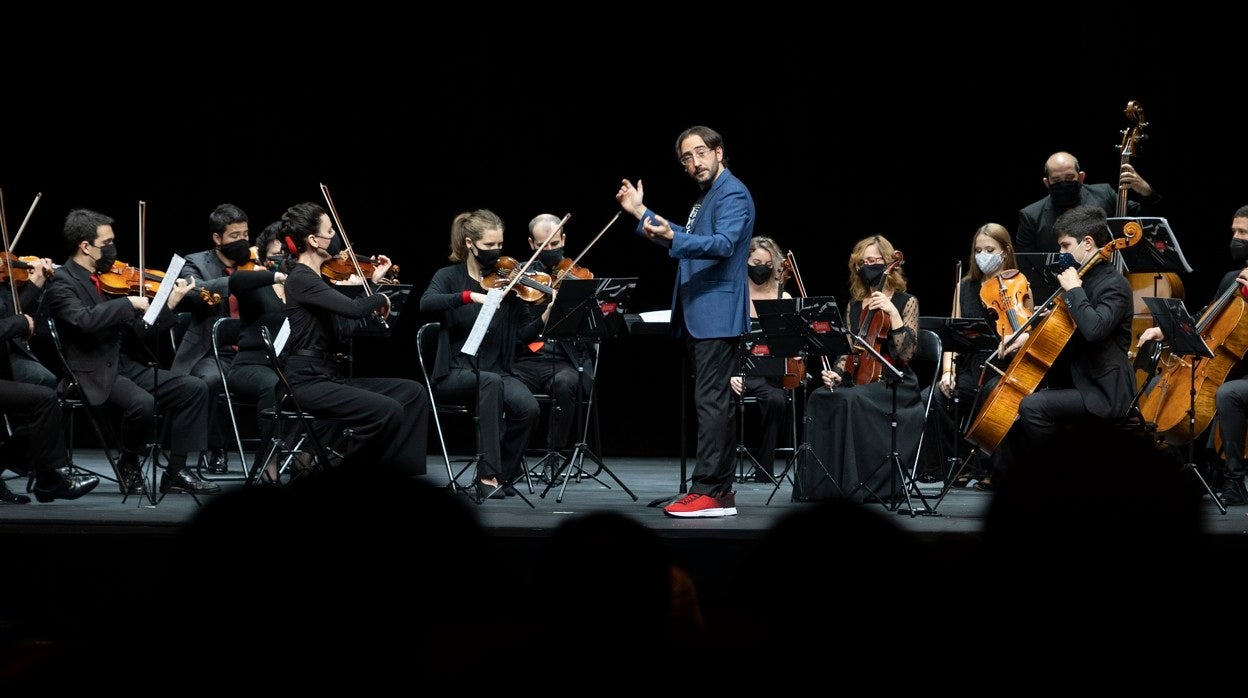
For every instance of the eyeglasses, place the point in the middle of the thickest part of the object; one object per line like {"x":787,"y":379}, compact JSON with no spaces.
{"x":699,"y":152}
{"x":871,"y":260}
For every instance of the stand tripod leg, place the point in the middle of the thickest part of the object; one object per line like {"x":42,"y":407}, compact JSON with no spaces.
{"x":801,"y":451}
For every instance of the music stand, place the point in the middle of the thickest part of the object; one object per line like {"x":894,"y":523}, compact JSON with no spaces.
{"x":964,"y":336}
{"x":1158,"y":252}
{"x":754,"y":360}
{"x":1181,"y":332}
{"x":812,"y":328}
{"x":1041,"y":273}
{"x":585,"y":311}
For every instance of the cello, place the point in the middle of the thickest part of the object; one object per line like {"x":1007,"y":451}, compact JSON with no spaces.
{"x":1182,"y":386}
{"x":1143,"y":284}
{"x":1049,"y":334}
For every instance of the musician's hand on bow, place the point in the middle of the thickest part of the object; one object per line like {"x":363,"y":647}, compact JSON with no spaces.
{"x":736,"y":384}
{"x":1151,"y":334}
{"x":831,"y":379}
{"x":947,"y":382}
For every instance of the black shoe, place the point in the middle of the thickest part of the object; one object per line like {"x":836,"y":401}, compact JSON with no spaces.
{"x":509,"y":491}
{"x":132,"y":479}
{"x":67,"y":487}
{"x":218,"y":463}
{"x":1232,"y":493}
{"x":490,"y":491}
{"x":186,"y":481}
{"x":8,"y":496}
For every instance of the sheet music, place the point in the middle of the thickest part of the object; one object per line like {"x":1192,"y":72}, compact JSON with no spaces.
{"x":656,"y":316}
{"x":166,"y":287}
{"x":283,"y":334}
{"x":493,"y":298}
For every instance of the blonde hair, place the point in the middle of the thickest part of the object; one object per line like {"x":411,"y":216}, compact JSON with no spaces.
{"x":896,"y":280}
{"x":1001,"y":236}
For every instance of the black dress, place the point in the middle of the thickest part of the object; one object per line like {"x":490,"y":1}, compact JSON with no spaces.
{"x":849,"y":428}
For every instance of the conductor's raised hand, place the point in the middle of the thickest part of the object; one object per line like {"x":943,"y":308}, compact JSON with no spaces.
{"x":658,"y":229}
{"x":630,"y":198}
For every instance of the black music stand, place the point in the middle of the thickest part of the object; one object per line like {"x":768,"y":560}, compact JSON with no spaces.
{"x":1158,"y":252}
{"x":812,"y":328}
{"x":963,"y":337}
{"x":1041,"y":271}
{"x":754,"y":360}
{"x":586,"y":311}
{"x":1183,"y":335}
{"x":893,"y":376}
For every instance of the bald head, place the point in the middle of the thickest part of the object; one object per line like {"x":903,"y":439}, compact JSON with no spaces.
{"x":1062,"y":167}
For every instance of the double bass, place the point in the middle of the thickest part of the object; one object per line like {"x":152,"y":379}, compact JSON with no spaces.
{"x":1048,"y":336}
{"x":1187,"y":382}
{"x":1143,"y":284}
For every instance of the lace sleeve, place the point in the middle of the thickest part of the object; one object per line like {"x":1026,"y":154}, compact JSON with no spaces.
{"x":904,"y":341}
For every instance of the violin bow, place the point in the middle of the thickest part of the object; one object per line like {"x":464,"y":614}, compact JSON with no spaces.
{"x":142,"y":246}
{"x":346,"y":242}
{"x":25,"y":220}
{"x":8,"y":257}
{"x":591,"y":244}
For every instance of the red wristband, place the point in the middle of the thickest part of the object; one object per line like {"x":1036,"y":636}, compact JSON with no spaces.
{"x":466,"y":297}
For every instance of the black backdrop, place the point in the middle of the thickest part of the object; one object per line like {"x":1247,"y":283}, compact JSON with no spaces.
{"x":910,"y":127}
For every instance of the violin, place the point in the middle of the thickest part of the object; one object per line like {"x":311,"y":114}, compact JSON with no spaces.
{"x":18,"y":267}
{"x":531,"y":286}
{"x":569,"y":268}
{"x":125,"y":280}
{"x":340,"y":268}
{"x":794,"y":366}
{"x":1006,"y":293}
{"x":873,"y":328}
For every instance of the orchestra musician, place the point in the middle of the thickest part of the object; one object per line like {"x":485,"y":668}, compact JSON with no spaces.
{"x":965,"y":377}
{"x":388,"y":417}
{"x":38,"y":441}
{"x":211,"y":270}
{"x":550,"y":366}
{"x":1091,"y":376}
{"x":848,"y":417}
{"x":1231,"y":398}
{"x":764,"y":261}
{"x":1065,"y":183}
{"x":23,"y":362}
{"x":506,"y":410}
{"x":97,"y":335}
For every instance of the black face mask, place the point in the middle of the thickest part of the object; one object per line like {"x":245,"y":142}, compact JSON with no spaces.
{"x":334,"y":246}
{"x":1239,"y":249}
{"x":760,"y":274}
{"x":108,"y":255}
{"x":1065,"y":194}
{"x":871,"y":275}
{"x":488,"y":258}
{"x":550,"y":258}
{"x":237,"y":252}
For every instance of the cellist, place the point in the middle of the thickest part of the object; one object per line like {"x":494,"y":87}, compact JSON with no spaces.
{"x":1091,"y":376}
{"x":1231,"y":398}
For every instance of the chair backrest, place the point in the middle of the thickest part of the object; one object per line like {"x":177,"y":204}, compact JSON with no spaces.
{"x":225,"y":333}
{"x":70,"y":388}
{"x":288,"y":395}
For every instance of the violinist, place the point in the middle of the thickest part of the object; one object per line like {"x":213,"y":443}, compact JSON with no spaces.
{"x":96,"y":332}
{"x":847,"y":424}
{"x":211,"y":269}
{"x":965,"y":378}
{"x":765,"y":257}
{"x":388,"y":417}
{"x":25,"y":365}
{"x":550,"y":366}
{"x":1091,"y":377}
{"x":1231,"y":397}
{"x":506,"y":410}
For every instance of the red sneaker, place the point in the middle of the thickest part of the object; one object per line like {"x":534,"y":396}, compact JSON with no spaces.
{"x":704,"y":505}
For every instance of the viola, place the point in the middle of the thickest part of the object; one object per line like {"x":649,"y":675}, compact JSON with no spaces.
{"x":340,"y":268}
{"x":125,"y":280}
{"x":569,"y":268}
{"x":873,"y":327}
{"x":794,"y":366}
{"x":1006,"y":293}
{"x":531,"y":286}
